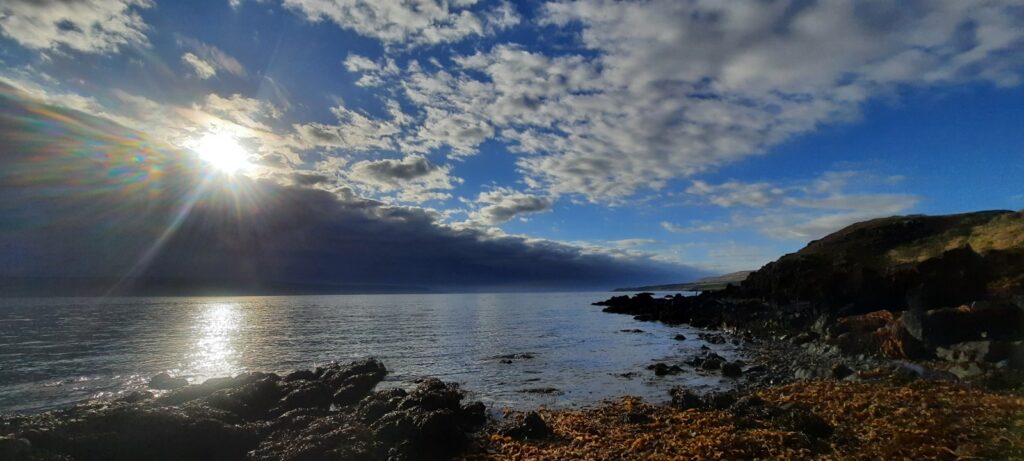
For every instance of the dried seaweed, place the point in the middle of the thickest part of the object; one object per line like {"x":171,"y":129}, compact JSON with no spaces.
{"x":922,"y":420}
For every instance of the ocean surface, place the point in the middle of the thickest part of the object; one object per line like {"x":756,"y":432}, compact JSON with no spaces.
{"x":57,"y":351}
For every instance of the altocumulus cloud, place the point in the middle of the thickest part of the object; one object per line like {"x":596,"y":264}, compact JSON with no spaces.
{"x":163,"y":223}
{"x":88,"y":26}
{"x":659,"y":90}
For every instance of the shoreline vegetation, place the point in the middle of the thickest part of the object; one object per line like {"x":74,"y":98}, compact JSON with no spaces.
{"x":896,"y":338}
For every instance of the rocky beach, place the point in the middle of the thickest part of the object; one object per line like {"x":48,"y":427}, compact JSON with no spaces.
{"x":898,"y":338}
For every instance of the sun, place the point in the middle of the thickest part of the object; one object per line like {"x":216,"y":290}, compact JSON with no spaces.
{"x":222,"y":152}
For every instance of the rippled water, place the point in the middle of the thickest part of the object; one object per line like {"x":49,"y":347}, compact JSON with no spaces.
{"x":56,"y":351}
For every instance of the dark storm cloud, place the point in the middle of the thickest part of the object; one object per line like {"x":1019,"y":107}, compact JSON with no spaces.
{"x":83,"y":199}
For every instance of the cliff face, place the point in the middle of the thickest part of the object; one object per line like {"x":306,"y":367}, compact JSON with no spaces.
{"x":920,"y":262}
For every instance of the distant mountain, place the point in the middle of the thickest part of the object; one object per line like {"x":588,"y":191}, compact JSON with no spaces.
{"x":718,"y":282}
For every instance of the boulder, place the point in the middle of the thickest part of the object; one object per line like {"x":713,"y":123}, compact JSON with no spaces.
{"x":661,"y":369}
{"x":979,"y":321}
{"x":732,"y":370}
{"x":1010,"y":352}
{"x":530,"y":427}
{"x":165,"y":382}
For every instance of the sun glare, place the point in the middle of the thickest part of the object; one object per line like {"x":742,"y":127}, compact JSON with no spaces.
{"x":222,"y":152}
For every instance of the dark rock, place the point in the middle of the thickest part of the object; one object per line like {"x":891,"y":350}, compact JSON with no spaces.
{"x":300,"y":375}
{"x":713,"y":339}
{"x":542,"y":390}
{"x":355,"y":388}
{"x":661,"y":369}
{"x":841,"y":371}
{"x":711,"y":364}
{"x":258,"y":417}
{"x":980,"y":321}
{"x":14,"y":449}
{"x":165,"y":382}
{"x":635,"y":417}
{"x":801,"y":419}
{"x":679,"y":338}
{"x":530,"y":427}
{"x":250,"y":401}
{"x":306,"y":395}
{"x":1009,"y":352}
{"x":136,"y":396}
{"x":685,"y":399}
{"x":634,"y":330}
{"x":719,"y":400}
{"x":732,"y":370}
{"x":804,"y":338}
{"x":517,"y":356}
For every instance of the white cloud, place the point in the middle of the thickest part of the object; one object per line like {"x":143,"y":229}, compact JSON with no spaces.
{"x":695,"y":227}
{"x":354,"y":131}
{"x":632,"y":243}
{"x":502,"y":204}
{"x":667,"y":89}
{"x":397,"y":22}
{"x":200,"y":68}
{"x":242,"y":110}
{"x":87,"y":26}
{"x":735,"y":193}
{"x":374,"y":73}
{"x":801,"y":211}
{"x":212,"y":59}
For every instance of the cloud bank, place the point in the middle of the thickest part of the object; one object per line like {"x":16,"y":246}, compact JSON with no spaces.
{"x":150,"y":213}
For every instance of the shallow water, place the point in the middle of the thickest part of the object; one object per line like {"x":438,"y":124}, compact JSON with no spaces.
{"x":57,"y":351}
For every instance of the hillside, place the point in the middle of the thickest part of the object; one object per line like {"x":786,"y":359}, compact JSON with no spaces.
{"x":718,"y":282}
{"x":901,"y":261}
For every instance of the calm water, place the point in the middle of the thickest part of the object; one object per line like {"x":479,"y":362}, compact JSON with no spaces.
{"x":56,"y":351}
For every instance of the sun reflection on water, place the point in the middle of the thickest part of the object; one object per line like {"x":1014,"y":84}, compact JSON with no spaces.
{"x":214,"y":351}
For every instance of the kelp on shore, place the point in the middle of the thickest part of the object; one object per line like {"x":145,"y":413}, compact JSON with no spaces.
{"x":919,"y":420}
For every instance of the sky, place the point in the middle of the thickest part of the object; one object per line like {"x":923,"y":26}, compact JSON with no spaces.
{"x":490,"y":144}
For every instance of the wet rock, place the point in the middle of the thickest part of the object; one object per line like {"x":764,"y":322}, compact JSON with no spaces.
{"x":661,"y":369}
{"x":635,"y":417}
{"x":711,"y":364}
{"x":634,"y":330}
{"x":679,"y":337}
{"x":1010,"y":353}
{"x":530,"y":427}
{"x":542,"y":390}
{"x":804,"y":338}
{"x":803,"y":420}
{"x":300,"y":375}
{"x":713,"y":339}
{"x":260,"y":417}
{"x":685,"y":399}
{"x":841,"y":371}
{"x":250,"y":401}
{"x":512,"y":358}
{"x":14,"y":449}
{"x":306,"y":395}
{"x":977,"y":322}
{"x":732,"y":369}
{"x":136,"y":396}
{"x":165,"y":382}
{"x":719,"y":400}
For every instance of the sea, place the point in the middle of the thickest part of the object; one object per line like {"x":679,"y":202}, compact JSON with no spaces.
{"x":509,"y":350}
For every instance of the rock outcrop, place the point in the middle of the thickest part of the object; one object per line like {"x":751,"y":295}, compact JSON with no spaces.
{"x":331,"y":413}
{"x":908,"y":287}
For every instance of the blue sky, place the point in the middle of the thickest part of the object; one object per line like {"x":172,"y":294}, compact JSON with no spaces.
{"x":706,"y":134}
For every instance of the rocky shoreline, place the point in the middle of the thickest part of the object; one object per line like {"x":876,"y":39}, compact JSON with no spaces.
{"x":893,"y":338}
{"x":331,"y":412}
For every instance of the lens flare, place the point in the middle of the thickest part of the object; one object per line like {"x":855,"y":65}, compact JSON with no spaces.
{"x":222,"y":152}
